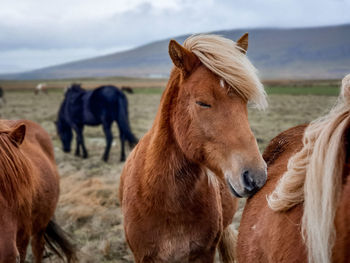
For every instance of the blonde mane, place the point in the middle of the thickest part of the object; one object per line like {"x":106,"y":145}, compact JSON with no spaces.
{"x":224,"y":58}
{"x":314,"y":176}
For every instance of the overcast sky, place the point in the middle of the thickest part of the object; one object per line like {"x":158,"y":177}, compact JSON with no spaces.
{"x":39,"y":33}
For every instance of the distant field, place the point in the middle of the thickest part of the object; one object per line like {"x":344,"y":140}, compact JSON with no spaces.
{"x":303,"y":90}
{"x":88,"y":83}
{"x":156,"y":86}
{"x":285,"y":89}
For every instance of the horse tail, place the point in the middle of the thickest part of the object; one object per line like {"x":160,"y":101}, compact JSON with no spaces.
{"x":227,"y":245}
{"x":57,"y":240}
{"x":123,"y":120}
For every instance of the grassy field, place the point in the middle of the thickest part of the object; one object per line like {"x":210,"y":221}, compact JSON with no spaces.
{"x":88,"y":83}
{"x":301,"y":90}
{"x":89,"y":208}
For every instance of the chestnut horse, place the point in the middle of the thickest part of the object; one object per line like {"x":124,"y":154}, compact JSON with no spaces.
{"x":40,"y":88}
{"x":175,"y":186}
{"x":29,"y":189}
{"x":306,"y":217}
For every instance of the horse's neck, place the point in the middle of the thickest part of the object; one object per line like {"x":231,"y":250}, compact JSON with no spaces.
{"x":168,"y":173}
{"x":74,"y":105}
{"x":169,"y":176}
{"x":62,"y":112}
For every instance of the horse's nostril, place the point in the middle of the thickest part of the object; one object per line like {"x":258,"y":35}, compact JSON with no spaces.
{"x":248,"y":181}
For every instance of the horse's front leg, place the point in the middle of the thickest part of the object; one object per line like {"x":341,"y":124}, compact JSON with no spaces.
{"x":204,"y":257}
{"x":77,"y":149}
{"x":122,"y":143}
{"x":85,"y":153}
{"x":201,"y":253}
{"x":22,"y":244}
{"x":109,"y":138}
{"x":38,"y":246}
{"x":80,"y":141}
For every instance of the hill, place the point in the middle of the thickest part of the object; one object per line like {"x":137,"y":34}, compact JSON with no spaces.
{"x":298,"y":53}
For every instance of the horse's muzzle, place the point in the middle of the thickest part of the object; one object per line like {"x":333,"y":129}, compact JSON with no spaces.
{"x":253,"y":181}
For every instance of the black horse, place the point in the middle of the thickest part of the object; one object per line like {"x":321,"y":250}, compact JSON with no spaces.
{"x":100,"y":106}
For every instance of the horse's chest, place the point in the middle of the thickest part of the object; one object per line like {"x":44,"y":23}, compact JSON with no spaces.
{"x":185,"y":233}
{"x":172,"y":239}
{"x":183,"y":243}
{"x":174,"y":247}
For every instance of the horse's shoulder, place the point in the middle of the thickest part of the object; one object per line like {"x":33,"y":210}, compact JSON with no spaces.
{"x":134,"y":167}
{"x":282,"y":142}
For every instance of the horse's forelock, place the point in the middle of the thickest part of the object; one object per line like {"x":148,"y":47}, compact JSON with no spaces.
{"x":224,"y":58}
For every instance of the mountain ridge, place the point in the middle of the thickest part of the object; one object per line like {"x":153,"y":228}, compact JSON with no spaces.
{"x":278,"y":53}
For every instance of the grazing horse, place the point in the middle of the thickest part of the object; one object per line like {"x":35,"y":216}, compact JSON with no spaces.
{"x":175,"y":186}
{"x":40,"y":88}
{"x":103,"y":105}
{"x":306,"y":217}
{"x":29,"y":190}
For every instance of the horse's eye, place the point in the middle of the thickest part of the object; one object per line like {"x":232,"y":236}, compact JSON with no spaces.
{"x":202,"y":104}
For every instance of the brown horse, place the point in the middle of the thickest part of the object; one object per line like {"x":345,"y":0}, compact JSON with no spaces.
{"x":40,"y":88}
{"x":175,"y":186}
{"x":127,"y":89}
{"x":306,"y":217}
{"x":29,"y":189}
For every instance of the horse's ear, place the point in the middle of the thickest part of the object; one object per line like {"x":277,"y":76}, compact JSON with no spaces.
{"x":18,"y":133}
{"x":242,"y":42}
{"x":181,"y":57}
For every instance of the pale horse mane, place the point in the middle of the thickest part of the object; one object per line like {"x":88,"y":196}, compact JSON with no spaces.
{"x":314,"y":176}
{"x":223,"y":57}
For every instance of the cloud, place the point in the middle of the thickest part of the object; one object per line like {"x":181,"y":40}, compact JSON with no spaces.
{"x":27,"y":59}
{"x":41,"y":26}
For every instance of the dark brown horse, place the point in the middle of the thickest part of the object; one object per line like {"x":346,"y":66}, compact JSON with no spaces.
{"x":40,"y":88}
{"x":127,"y":89}
{"x":306,"y":217}
{"x":29,"y":189}
{"x":175,"y":186}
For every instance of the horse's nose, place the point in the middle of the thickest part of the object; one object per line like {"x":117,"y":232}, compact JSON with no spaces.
{"x":253,"y":181}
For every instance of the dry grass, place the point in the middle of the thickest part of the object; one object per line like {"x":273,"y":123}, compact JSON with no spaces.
{"x":88,"y":207}
{"x":88,"y":83}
